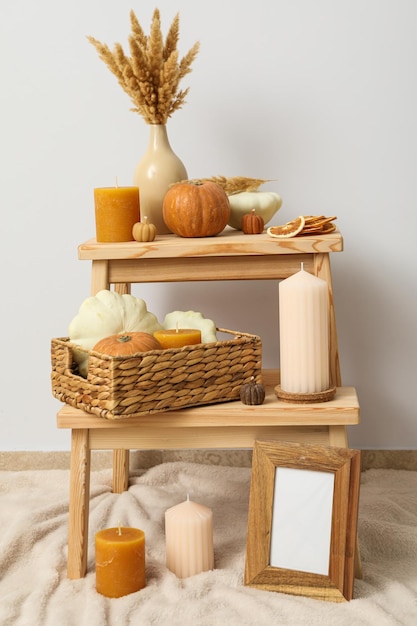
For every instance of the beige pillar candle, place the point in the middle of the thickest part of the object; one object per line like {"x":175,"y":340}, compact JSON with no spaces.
{"x":189,"y":539}
{"x":304,"y":333}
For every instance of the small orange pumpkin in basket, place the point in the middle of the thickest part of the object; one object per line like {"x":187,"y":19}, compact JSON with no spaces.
{"x":126,"y":344}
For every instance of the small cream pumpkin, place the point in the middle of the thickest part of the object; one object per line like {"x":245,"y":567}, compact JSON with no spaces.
{"x":144,"y":230}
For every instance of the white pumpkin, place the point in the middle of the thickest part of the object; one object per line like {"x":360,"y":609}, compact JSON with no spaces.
{"x":191,"y":319}
{"x":265,"y":203}
{"x":108,"y":313}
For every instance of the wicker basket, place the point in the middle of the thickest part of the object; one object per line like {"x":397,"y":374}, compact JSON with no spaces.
{"x":158,"y":380}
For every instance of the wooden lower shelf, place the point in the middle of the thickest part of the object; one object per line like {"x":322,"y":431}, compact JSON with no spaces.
{"x":224,"y":425}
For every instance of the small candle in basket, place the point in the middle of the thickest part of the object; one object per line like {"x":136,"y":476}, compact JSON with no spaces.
{"x":178,"y":337}
{"x":191,"y":319}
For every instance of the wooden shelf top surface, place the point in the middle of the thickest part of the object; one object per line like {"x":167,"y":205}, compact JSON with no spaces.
{"x":342,"y":410}
{"x":228,"y":243}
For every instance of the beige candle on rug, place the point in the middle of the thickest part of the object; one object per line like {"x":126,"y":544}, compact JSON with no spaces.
{"x":189,"y":539}
{"x":304,"y":333}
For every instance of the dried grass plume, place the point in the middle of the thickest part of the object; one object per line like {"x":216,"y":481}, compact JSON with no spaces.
{"x":152,"y":73}
{"x":237,"y":184}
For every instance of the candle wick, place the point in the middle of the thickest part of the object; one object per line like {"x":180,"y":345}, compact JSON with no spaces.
{"x":302,"y":266}
{"x":117,"y":182}
{"x":176,"y":327}
{"x":119,"y":530}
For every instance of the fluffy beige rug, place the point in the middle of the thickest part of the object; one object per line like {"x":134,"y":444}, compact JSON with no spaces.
{"x":34,"y":589}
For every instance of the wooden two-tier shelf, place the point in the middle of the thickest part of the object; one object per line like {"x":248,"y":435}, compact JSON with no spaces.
{"x":231,"y":255}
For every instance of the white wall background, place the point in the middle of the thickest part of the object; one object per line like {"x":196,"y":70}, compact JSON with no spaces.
{"x":320,"y":95}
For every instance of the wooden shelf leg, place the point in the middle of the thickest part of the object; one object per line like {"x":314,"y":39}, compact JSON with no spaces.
{"x":122,"y":288}
{"x":120,"y":470}
{"x":79,"y":501}
{"x":338,"y":436}
{"x":99,"y":276}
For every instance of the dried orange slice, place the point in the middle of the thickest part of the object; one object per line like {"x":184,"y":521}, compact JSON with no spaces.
{"x":290,"y":229}
{"x":328,"y":228}
{"x":325,"y":229}
{"x":317,"y":221}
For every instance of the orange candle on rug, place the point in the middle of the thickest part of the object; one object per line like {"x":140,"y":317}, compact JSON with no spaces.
{"x":189,"y":539}
{"x":117,"y":209}
{"x":120,"y":561}
{"x":178,"y":337}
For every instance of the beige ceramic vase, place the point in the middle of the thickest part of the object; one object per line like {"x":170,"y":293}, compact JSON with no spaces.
{"x":155,"y":172}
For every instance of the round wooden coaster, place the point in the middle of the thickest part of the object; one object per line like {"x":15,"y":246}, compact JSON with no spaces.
{"x":305,"y":398}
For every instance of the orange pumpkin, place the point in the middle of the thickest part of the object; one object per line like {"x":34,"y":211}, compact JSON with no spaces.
{"x":126,"y":344}
{"x":252,"y":223}
{"x":196,"y":209}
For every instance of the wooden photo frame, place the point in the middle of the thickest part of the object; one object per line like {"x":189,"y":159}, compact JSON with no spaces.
{"x":302,"y":522}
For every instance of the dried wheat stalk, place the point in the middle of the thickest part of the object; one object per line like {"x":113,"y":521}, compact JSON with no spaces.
{"x":236,"y":184}
{"x":151,"y":74}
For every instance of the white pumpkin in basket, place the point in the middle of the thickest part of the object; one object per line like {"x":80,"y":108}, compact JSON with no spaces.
{"x":108,"y":313}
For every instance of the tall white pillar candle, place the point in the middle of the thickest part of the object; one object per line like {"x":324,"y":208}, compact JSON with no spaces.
{"x":189,"y":539}
{"x":304,"y":333}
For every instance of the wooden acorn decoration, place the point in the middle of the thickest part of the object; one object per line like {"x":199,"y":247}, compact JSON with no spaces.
{"x":252,"y":393}
{"x":252,"y":223}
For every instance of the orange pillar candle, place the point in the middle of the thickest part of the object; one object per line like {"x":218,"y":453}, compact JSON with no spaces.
{"x":177,"y":338}
{"x":120,"y":561}
{"x":117,"y":209}
{"x":189,"y":539}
